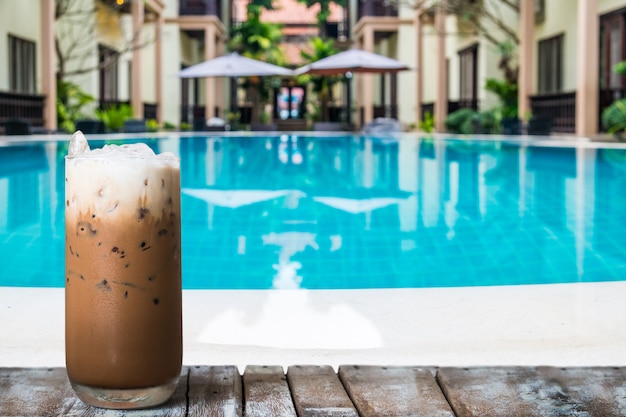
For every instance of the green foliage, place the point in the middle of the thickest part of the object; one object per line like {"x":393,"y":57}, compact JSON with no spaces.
{"x":70,"y":102}
{"x":258,"y":40}
{"x":456,"y":120}
{"x":467,"y":121}
{"x":152,"y":125}
{"x":185,"y":126}
{"x":324,"y":8}
{"x":115,"y":116}
{"x":320,"y":49}
{"x":614,"y":118}
{"x":169,"y":125}
{"x":313,"y":111}
{"x":506,"y":92}
{"x":321,"y":84}
{"x":620,"y":68}
{"x":428,"y":123}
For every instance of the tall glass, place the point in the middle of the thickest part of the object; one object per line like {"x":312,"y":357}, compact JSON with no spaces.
{"x":123,"y":303}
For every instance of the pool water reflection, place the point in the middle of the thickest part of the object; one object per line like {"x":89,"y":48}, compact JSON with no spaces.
{"x":291,"y":211}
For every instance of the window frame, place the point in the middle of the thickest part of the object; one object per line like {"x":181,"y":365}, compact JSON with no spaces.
{"x":22,"y":59}
{"x":550,"y":64}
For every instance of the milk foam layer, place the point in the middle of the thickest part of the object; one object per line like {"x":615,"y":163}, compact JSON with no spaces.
{"x":114,"y":183}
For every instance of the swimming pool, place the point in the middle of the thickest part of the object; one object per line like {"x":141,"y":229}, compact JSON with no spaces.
{"x":329,"y":212}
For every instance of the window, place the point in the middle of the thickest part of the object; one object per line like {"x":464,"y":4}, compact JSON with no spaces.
{"x":469,"y":77}
{"x":108,"y":59}
{"x":22,"y":65}
{"x":550,"y":65}
{"x":612,"y":31}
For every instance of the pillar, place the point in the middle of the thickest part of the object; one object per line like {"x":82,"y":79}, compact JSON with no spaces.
{"x":587,"y":68}
{"x":419,"y":74}
{"x":158,"y":66}
{"x":368,"y":95}
{"x":525,"y":78}
{"x":441,"y":99}
{"x":48,"y":67}
{"x":209,"y":83}
{"x":219,"y":87}
{"x":136,"y":99}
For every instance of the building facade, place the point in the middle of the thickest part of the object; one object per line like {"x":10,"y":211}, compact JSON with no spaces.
{"x":125,"y":51}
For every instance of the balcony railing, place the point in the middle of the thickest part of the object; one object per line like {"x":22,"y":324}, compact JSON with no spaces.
{"x":200,"y":8}
{"x":376,"y":8}
{"x":560,"y":108}
{"x":22,"y":106}
{"x":452,"y":106}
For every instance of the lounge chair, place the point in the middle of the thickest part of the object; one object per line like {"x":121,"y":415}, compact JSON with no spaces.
{"x":263,"y":127}
{"x":88,"y":126}
{"x":511,"y":126}
{"x":134,"y":126}
{"x":327,"y":127}
{"x":541,"y":126}
{"x":382,"y":125}
{"x":17,"y":127}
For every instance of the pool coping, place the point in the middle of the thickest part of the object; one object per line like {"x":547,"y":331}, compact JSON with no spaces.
{"x":578,"y":324}
{"x":566,"y":140}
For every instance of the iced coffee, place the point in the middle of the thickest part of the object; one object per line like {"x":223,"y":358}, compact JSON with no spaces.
{"x":122,"y":274}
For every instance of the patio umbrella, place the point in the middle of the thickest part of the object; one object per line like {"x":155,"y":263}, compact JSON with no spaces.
{"x":233,"y":65}
{"x":352,"y":60}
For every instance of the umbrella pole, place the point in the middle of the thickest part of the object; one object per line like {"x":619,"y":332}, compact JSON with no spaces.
{"x":233,"y":95}
{"x":348,"y":99}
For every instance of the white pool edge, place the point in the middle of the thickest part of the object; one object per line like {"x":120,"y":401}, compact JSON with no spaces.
{"x":578,"y":324}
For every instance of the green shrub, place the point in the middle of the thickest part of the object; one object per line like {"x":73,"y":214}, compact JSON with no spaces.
{"x":458,"y":120}
{"x":152,"y":125}
{"x":70,"y":102}
{"x":614,"y":118}
{"x":506,"y":92}
{"x":115,"y":116}
{"x":428,"y":123}
{"x":467,"y":121}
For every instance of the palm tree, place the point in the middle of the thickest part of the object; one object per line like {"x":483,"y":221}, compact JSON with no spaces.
{"x":322,"y":85}
{"x":324,"y":13}
{"x":258,"y":40}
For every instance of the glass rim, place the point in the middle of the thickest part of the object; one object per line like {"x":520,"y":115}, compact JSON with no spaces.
{"x":156,"y":157}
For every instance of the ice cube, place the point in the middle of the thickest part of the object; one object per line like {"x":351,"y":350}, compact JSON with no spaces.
{"x":78,"y":144}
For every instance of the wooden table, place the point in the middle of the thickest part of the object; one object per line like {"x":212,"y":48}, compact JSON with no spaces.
{"x":353,"y":391}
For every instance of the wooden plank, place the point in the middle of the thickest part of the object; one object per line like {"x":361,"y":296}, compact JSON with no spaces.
{"x":215,"y":391}
{"x":47,"y":392}
{"x":266,"y":392}
{"x":317,"y":391}
{"x":394,"y":391}
{"x":535,"y":391}
{"x":35,"y":392}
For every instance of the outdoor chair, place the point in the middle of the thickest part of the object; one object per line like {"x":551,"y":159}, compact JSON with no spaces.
{"x":511,"y":126}
{"x":88,"y":126}
{"x":134,"y":126}
{"x":327,"y":127}
{"x":17,"y":127}
{"x":540,"y":126}
{"x":382,"y":125}
{"x":263,"y":127}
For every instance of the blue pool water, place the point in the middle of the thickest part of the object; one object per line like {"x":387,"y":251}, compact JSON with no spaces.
{"x":351,"y":212}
